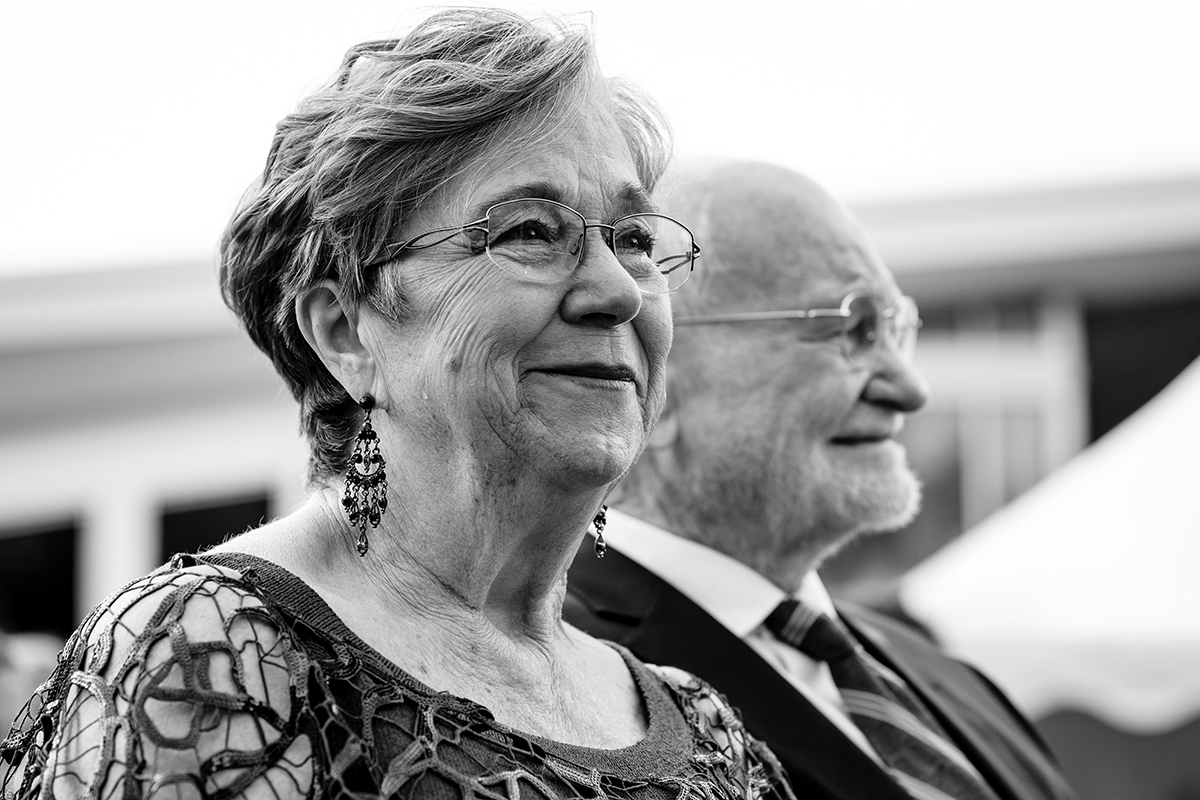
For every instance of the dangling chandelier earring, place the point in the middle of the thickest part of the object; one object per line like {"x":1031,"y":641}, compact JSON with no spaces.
{"x":365,"y":497}
{"x":600,"y":520}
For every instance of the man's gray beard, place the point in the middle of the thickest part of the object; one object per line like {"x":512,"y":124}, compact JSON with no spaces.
{"x":795,"y":529}
{"x":807,"y":529}
{"x":878,"y":513}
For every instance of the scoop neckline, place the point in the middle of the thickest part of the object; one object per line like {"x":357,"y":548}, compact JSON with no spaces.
{"x":666,"y":745}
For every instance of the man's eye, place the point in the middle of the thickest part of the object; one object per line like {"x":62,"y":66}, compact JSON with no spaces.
{"x":861,"y":329}
{"x":819,"y":329}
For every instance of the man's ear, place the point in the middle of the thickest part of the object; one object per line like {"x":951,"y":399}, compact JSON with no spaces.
{"x":330,"y":327}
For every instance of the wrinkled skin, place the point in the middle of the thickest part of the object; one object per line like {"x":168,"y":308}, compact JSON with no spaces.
{"x":481,"y":372}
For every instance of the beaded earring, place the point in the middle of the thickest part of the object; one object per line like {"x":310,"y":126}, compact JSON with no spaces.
{"x":599,"y":521}
{"x":365,"y":496}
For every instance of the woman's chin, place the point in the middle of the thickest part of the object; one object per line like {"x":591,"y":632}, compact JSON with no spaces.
{"x":596,"y":441}
{"x":588,"y":459}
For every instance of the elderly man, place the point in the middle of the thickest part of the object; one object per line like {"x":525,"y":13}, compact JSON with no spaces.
{"x":789,"y":379}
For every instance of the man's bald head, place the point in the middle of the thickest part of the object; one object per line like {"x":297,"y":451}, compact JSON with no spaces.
{"x":764,"y":230}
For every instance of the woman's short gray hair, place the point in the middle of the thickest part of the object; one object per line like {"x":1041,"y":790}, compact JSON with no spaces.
{"x":399,"y":120}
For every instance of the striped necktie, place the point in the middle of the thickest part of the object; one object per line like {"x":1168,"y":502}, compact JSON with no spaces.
{"x":913,"y":746}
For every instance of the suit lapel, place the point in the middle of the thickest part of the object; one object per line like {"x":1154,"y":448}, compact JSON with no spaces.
{"x":984,"y":730}
{"x":668,"y":628}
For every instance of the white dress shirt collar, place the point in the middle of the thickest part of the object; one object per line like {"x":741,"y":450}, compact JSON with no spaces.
{"x":740,"y":599}
{"x":731,"y":592}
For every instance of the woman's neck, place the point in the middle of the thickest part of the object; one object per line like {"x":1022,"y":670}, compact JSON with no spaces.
{"x":469,"y":609}
{"x":502,"y":557}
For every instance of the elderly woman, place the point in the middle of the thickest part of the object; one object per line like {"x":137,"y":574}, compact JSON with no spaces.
{"x":452,"y":261}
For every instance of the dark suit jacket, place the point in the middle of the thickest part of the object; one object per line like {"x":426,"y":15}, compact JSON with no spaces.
{"x":615,"y":598}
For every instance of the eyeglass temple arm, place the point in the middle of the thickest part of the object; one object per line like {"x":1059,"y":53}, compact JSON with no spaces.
{"x":759,"y":316}
{"x":410,"y":244}
{"x":394,"y":250}
{"x":674,"y":262}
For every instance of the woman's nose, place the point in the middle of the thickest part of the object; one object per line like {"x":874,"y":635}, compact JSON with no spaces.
{"x":602,"y":291}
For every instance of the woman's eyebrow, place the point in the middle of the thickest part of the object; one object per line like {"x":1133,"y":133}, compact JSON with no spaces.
{"x":630,"y":199}
{"x":633,"y":199}
{"x":537,"y":189}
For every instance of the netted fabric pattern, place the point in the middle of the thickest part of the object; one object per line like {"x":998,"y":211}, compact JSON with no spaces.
{"x":205,"y":681}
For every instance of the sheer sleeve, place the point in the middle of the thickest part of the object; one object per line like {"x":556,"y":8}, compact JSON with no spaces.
{"x":207,"y":681}
{"x":180,"y":685}
{"x":722,"y":741}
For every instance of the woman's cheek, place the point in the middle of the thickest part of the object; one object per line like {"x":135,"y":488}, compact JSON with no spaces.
{"x":656,"y":399}
{"x":656,"y":333}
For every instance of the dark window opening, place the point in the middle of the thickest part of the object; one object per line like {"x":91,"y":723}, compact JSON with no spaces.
{"x":37,"y":578}
{"x":1133,"y":353}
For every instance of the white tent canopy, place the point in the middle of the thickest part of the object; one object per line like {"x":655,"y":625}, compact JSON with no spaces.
{"x":1084,"y":593}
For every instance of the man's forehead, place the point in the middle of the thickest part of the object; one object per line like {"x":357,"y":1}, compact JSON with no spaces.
{"x":780,"y":236}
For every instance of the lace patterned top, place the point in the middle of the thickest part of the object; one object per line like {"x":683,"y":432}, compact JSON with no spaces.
{"x":226,"y":676}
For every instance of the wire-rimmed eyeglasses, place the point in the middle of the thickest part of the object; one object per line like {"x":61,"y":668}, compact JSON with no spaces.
{"x":544,"y":240}
{"x":860,"y":324}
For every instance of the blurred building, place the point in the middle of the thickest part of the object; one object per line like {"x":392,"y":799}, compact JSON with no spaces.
{"x":1048,"y":318}
{"x":1080,"y":598}
{"x":136,"y":420}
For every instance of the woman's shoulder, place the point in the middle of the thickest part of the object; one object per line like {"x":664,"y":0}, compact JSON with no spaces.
{"x":185,"y":674}
{"x":185,"y":609}
{"x":705,"y":709}
{"x":719,"y":730}
{"x":168,"y":590}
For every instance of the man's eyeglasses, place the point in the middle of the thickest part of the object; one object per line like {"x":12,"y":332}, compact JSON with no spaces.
{"x":860,"y":324}
{"x":542,"y":240}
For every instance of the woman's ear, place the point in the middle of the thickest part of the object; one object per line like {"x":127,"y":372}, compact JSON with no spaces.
{"x":330,"y":327}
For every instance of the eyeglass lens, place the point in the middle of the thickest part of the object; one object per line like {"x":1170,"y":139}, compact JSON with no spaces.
{"x":541,"y":240}
{"x":866,"y":324}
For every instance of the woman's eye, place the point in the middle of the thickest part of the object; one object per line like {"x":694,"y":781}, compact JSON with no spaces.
{"x":476,"y":240}
{"x":527,"y":232}
{"x":639,"y":241}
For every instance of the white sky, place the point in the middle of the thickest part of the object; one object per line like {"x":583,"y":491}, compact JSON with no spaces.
{"x":131,"y":128}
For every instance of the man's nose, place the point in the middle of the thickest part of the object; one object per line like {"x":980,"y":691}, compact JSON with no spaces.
{"x":896,"y":382}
